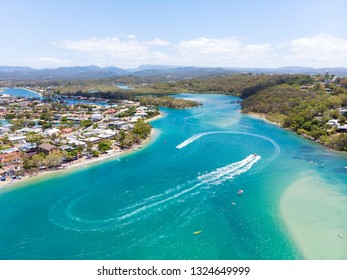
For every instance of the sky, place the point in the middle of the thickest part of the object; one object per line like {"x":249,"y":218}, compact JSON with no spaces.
{"x":206,"y":33}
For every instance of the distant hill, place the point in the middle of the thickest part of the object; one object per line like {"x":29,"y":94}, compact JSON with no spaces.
{"x":167,"y":71}
{"x":76,"y":72}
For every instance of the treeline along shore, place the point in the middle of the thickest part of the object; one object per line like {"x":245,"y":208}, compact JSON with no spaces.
{"x":314,"y":106}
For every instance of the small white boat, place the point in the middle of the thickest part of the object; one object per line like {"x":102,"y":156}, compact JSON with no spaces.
{"x":339,"y":234}
{"x":233,"y":203}
{"x":239,"y":192}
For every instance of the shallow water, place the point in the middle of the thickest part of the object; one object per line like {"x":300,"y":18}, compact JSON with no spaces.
{"x":21,"y":92}
{"x":148,"y":204}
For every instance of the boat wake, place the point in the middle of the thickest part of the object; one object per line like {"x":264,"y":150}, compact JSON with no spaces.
{"x":62,"y":213}
{"x":190,"y":140}
{"x":200,"y":135}
{"x":195,"y":116}
{"x":228,"y":172}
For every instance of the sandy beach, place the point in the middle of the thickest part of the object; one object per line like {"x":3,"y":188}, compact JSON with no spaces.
{"x":315,"y":214}
{"x":28,"y":89}
{"x":263,"y":117}
{"x":81,"y":163}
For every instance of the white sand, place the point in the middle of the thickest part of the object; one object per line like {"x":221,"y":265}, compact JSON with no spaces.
{"x":315,"y":213}
{"x":81,"y":163}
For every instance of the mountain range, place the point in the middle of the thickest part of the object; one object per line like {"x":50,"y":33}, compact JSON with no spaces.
{"x":171,"y":72}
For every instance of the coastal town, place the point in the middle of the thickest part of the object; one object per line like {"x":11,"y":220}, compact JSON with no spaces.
{"x":39,"y":135}
{"x":53,"y":131}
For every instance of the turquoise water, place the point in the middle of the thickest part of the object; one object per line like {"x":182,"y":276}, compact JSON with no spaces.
{"x":20,"y":92}
{"x":148,"y":204}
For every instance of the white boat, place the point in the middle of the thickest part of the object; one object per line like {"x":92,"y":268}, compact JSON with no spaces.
{"x":339,"y":234}
{"x":239,"y":192}
{"x":233,"y":203}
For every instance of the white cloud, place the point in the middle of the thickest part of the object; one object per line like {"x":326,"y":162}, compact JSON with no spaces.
{"x":131,"y":37}
{"x":124,"y":53}
{"x":157,"y":42}
{"x":208,"y":46}
{"x":40,"y":62}
{"x":52,"y":60}
{"x":317,"y":51}
{"x":224,"y":52}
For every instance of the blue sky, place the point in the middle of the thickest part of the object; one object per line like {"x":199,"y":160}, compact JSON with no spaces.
{"x":128,"y":33}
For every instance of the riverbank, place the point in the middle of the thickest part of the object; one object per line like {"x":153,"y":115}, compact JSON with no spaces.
{"x":161,"y":115}
{"x":314,"y":212}
{"x":262,"y":117}
{"x":81,"y":163}
{"x":33,"y":91}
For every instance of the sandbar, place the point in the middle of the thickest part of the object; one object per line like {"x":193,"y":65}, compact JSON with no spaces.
{"x":315,"y":212}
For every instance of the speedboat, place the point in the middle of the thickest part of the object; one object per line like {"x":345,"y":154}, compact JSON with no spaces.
{"x":197,"y":232}
{"x":239,"y":192}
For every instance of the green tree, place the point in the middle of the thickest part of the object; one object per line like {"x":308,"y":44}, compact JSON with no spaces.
{"x":86,"y":123}
{"x":142,"y":129}
{"x":53,"y":159}
{"x":34,"y":138}
{"x":104,"y":146}
{"x":38,"y":160}
{"x":80,"y":149}
{"x":95,"y":153}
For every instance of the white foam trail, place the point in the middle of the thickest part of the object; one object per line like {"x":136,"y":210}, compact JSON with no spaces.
{"x":215,"y":177}
{"x":148,"y":199}
{"x":195,"y":116}
{"x":69,"y":221}
{"x":197,"y":136}
{"x":189,"y":141}
{"x":230,"y":171}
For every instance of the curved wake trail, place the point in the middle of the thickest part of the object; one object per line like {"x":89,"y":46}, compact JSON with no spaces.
{"x":230,"y":171}
{"x":213,"y":178}
{"x":61,"y":214}
{"x":199,"y":135}
{"x":195,"y":116}
{"x":189,"y":141}
{"x":69,"y":220}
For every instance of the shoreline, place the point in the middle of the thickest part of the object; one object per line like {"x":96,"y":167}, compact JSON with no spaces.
{"x":160,"y":116}
{"x":262,"y":117}
{"x":28,"y":89}
{"x":83,"y":162}
{"x":314,"y":213}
